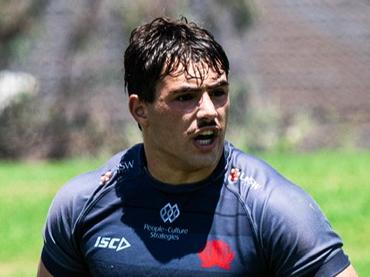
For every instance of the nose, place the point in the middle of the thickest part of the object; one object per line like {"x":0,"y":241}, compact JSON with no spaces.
{"x":206,"y":107}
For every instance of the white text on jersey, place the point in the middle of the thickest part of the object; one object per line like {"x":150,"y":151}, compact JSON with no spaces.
{"x":112,"y":243}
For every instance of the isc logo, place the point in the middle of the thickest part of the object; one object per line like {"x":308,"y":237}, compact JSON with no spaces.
{"x":112,"y":243}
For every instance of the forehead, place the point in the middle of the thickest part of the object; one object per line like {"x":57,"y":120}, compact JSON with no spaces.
{"x":196,"y":75}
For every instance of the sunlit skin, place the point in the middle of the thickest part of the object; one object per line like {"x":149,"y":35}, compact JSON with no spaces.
{"x":184,"y":108}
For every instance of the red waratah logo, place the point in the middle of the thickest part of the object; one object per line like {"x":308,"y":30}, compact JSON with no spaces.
{"x":234,"y":175}
{"x":216,"y":253}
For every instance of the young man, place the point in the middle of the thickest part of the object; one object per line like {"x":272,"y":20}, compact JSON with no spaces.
{"x":185,"y":202}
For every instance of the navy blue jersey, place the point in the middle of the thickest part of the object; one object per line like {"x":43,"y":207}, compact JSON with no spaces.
{"x":243,"y":220}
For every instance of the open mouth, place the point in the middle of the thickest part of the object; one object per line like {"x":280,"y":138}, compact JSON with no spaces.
{"x":206,"y":137}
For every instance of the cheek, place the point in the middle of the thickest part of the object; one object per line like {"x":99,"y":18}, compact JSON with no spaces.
{"x":224,"y":111}
{"x":169,"y":122}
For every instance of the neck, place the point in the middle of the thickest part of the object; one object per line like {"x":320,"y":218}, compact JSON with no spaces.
{"x":170,"y":173}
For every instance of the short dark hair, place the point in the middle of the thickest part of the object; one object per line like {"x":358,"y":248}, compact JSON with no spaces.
{"x":157,"y":49}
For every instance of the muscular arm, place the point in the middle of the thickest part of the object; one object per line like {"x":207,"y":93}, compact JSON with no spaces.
{"x":42,"y":271}
{"x":348,"y":272}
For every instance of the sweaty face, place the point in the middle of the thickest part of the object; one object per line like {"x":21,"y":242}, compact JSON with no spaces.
{"x":187,"y":121}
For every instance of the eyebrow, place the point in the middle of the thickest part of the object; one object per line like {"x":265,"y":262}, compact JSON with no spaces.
{"x":185,"y":88}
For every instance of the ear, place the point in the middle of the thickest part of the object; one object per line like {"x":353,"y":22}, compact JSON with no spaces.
{"x":138,"y":110}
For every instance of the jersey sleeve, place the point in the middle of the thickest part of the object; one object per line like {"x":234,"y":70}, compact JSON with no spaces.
{"x":61,"y":254}
{"x":296,"y":237}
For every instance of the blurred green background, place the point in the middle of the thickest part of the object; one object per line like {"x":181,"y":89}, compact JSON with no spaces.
{"x":299,"y":90}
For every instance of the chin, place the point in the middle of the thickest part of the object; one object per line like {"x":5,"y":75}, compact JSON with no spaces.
{"x":204,"y":160}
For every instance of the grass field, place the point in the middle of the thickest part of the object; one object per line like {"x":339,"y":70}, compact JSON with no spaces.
{"x":339,"y":181}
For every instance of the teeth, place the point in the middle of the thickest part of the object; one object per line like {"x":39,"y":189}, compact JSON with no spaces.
{"x":206,"y":137}
{"x":205,"y":141}
{"x":207,"y":133}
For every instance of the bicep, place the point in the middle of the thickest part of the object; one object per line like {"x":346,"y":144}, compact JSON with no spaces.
{"x":348,"y":272}
{"x":42,"y":271}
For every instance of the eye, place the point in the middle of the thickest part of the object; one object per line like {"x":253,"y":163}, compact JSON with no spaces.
{"x":218,"y":92}
{"x":185,"y":97}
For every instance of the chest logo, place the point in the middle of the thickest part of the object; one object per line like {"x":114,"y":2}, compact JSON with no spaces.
{"x":117,"y":244}
{"x":216,"y":253}
{"x":234,"y":175}
{"x":170,"y":212}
